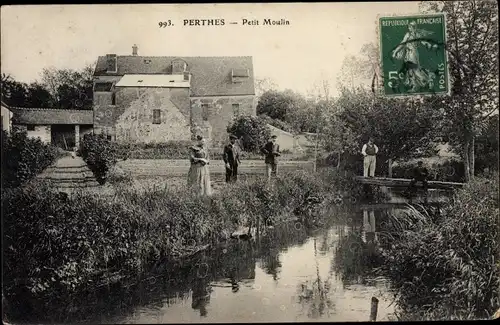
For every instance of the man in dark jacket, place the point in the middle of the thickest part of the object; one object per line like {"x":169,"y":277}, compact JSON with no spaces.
{"x":231,"y":157}
{"x":420,"y":174}
{"x":271,"y":151}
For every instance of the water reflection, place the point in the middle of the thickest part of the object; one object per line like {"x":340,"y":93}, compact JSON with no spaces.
{"x":201,"y":296}
{"x":356,"y":252}
{"x":315,"y":295}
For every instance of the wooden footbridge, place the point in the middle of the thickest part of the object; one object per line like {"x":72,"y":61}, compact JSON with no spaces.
{"x":402,"y":182}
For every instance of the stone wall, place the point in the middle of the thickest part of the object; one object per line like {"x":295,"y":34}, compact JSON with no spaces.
{"x":41,"y":131}
{"x":6,"y":119}
{"x":131,"y":119}
{"x":213,"y":123}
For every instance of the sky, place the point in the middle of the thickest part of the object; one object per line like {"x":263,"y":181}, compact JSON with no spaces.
{"x":295,"y":56}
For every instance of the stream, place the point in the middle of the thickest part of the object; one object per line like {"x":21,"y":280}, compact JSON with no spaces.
{"x":291,"y":274}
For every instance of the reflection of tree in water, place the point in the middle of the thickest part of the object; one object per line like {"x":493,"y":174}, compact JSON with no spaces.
{"x":201,"y":296}
{"x":238,"y":265}
{"x":269,"y":247}
{"x":324,"y":246}
{"x":315,"y":295}
{"x":271,"y":264}
{"x":354,"y":259}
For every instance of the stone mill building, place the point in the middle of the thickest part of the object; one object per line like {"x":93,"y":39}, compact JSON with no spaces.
{"x":162,"y":98}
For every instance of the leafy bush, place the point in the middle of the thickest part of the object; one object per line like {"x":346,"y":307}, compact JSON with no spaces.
{"x":449,"y":170}
{"x":100,"y":154}
{"x":443,"y":262}
{"x":23,"y":158}
{"x":252,"y":131}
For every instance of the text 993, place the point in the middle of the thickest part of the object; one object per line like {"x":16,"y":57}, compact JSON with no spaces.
{"x":164,"y":24}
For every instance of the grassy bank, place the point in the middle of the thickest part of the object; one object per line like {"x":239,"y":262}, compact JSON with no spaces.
{"x":56,"y":246}
{"x":444,"y":263}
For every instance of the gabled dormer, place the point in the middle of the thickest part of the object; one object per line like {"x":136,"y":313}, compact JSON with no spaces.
{"x":239,"y":75}
{"x":179,"y":66}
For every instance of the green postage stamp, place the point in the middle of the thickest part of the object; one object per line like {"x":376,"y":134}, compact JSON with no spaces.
{"x":413,"y":55}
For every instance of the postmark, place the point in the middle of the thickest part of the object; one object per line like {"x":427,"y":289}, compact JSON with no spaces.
{"x":413,"y":55}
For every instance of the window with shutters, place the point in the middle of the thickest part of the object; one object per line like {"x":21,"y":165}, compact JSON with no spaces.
{"x":156,"y":116}
{"x":236,"y":109}
{"x":204,"y":111}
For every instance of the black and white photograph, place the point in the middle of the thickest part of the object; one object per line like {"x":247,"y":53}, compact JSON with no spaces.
{"x":250,"y":162}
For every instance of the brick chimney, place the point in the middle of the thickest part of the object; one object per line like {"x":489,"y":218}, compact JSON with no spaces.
{"x":134,"y":50}
{"x":111,"y":63}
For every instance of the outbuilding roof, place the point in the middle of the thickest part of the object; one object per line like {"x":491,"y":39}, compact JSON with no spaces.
{"x":49,"y":116}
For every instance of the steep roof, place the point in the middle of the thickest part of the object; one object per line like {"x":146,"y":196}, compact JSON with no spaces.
{"x":210,"y":76}
{"x":48,"y":116}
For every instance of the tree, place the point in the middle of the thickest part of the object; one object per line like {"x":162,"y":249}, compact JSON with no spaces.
{"x":69,"y":88}
{"x":371,"y":56}
{"x":280,"y":104}
{"x":472,"y":46}
{"x":20,"y":94}
{"x":14,"y":93}
{"x":58,"y":88}
{"x":252,"y":131}
{"x":361,"y":70}
{"x":401,"y":129}
{"x":351,"y":72}
{"x":264,"y":84}
{"x":38,"y":96}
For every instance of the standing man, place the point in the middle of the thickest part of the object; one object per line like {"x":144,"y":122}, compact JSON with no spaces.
{"x":271,"y":151}
{"x":369,"y":151}
{"x":231,"y":157}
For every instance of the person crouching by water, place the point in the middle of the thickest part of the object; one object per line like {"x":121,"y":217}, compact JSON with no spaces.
{"x":199,"y":174}
{"x":271,"y":151}
{"x":231,"y":157}
{"x":420,"y":174}
{"x":369,"y":151}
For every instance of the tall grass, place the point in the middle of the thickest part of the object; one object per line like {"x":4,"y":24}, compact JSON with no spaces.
{"x":444,"y":263}
{"x":56,"y":245}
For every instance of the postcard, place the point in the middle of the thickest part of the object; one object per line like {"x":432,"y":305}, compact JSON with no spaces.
{"x":250,"y":162}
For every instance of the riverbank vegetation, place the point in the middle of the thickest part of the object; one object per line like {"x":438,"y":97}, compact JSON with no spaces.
{"x":57,"y":245}
{"x":444,"y":262}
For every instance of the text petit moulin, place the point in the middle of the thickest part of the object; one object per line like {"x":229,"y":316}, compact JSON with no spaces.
{"x":249,"y":22}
